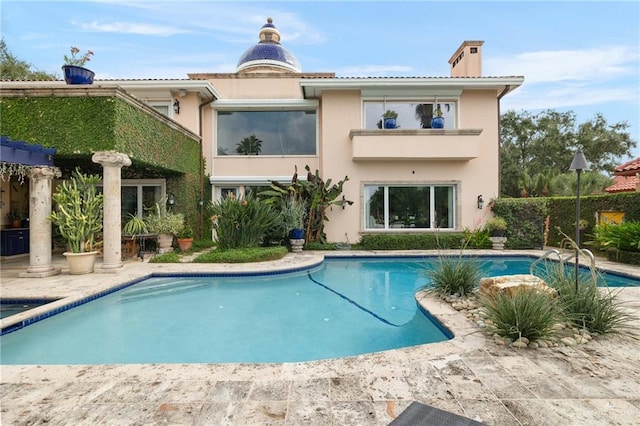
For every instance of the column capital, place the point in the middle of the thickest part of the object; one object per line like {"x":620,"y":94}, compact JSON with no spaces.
{"x":111,"y":158}
{"x":44,"y":172}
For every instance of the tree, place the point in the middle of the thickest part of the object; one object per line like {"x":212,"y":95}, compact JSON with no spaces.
{"x":249,"y":146}
{"x":11,"y":68}
{"x":535,"y":148}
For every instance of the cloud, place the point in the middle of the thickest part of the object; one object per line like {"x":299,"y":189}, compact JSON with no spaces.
{"x":130,"y":28}
{"x":601,"y":63}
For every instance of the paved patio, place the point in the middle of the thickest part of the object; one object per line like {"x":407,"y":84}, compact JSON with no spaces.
{"x":593,"y":384}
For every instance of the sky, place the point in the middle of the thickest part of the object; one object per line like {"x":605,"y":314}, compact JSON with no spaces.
{"x":575,"y":56}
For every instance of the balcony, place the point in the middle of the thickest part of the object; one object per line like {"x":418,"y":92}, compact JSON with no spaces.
{"x":423,"y":144}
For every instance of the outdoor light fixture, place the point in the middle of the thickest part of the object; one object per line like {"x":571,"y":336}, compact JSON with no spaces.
{"x":344,"y":202}
{"x":176,"y":107}
{"x":578,"y":164}
{"x":171,"y":200}
{"x":480,"y":202}
{"x":201,"y":202}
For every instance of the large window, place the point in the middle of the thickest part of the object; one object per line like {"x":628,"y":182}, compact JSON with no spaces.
{"x":266,"y":132}
{"x":403,"y":206}
{"x":139,"y":197}
{"x":411,"y":115}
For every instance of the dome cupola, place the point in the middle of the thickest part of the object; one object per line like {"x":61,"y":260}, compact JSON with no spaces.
{"x":268,"y":53}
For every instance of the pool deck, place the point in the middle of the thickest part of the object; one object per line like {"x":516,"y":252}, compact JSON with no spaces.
{"x":593,"y":384}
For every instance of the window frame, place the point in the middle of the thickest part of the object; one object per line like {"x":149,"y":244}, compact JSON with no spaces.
{"x":454,"y":188}
{"x":453,"y":116}
{"x":265,"y":105}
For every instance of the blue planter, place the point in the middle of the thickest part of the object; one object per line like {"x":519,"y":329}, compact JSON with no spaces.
{"x":437,"y":123}
{"x":297,"y":234}
{"x":74,"y":74}
{"x":390,"y":123}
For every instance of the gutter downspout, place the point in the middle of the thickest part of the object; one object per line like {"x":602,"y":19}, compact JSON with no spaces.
{"x":201,"y":173}
{"x":500,"y":96}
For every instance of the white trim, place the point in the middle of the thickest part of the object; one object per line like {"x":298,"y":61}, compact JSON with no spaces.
{"x":250,"y":180}
{"x":268,"y":62}
{"x":264,"y":104}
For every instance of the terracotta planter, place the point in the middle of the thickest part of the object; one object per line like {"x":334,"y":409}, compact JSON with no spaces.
{"x":15,"y":223}
{"x":185,"y":243}
{"x":81,"y":263}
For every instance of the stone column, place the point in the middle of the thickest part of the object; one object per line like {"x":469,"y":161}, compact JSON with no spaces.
{"x":40,"y":184}
{"x":112,"y":163}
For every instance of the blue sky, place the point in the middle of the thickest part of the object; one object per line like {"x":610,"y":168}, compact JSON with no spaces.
{"x":579,"y":56}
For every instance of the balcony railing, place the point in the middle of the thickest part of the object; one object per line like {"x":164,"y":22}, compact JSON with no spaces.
{"x":423,"y":144}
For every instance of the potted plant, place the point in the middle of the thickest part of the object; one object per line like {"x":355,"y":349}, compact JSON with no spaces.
{"x":185,"y":237}
{"x":74,"y":70}
{"x":133,"y":227}
{"x":78,"y":215}
{"x":496,"y":226}
{"x":437,"y":122}
{"x":15,"y":221}
{"x":166,"y":225}
{"x":390,"y":117}
{"x":293,"y":216}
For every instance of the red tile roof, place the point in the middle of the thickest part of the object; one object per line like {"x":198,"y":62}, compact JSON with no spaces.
{"x":630,"y":168}
{"x":624,"y":184}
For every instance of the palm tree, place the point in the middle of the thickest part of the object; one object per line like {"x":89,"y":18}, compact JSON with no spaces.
{"x":424,"y":113}
{"x":249,"y":146}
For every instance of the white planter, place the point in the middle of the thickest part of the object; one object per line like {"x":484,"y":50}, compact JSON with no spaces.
{"x":497,"y":243}
{"x":81,"y":263}
{"x":164,"y":243}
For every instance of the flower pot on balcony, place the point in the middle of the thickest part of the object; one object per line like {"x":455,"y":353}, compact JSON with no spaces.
{"x":390,"y":123}
{"x":74,"y":74}
{"x":437,"y":123}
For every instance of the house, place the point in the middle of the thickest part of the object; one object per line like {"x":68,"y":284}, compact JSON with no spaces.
{"x":626,"y":177}
{"x":432,"y":168}
{"x":409,"y":178}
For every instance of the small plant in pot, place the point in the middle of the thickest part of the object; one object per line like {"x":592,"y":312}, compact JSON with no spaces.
{"x":15,"y":220}
{"x":74,"y":70}
{"x":496,"y":226}
{"x":133,"y":227}
{"x":185,"y":237}
{"x":293,"y":216}
{"x":390,"y":117}
{"x":166,"y":225}
{"x":78,"y":215}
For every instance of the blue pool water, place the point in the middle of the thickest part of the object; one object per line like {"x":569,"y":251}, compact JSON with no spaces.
{"x":344,"y":307}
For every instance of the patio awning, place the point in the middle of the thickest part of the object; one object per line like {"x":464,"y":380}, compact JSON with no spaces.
{"x":21,"y":152}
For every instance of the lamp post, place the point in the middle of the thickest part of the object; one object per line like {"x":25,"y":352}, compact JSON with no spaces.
{"x":579,"y":163}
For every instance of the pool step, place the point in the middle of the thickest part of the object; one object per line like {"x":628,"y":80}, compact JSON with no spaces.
{"x":160,"y":289}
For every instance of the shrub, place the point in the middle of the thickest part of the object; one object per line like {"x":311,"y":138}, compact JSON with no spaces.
{"x":529,"y":313}
{"x":625,"y":236}
{"x":242,"y":222}
{"x":591,"y":307}
{"x":477,"y":239}
{"x":453,"y":275}
{"x":243,"y":255}
{"x":412,"y":241}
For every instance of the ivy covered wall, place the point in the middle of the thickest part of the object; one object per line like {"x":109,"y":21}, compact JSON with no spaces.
{"x":78,"y":126}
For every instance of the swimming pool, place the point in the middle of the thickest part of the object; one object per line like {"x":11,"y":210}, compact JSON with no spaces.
{"x":344,"y":307}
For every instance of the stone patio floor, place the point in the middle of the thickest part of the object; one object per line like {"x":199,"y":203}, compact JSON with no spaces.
{"x":593,"y":384}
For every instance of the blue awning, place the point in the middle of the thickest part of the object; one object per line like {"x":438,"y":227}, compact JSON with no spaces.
{"x":21,"y":152}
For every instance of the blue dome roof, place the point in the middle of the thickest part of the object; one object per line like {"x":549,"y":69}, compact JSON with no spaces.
{"x":268,"y":52}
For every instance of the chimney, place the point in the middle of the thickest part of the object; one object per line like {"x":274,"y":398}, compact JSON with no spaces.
{"x":467,"y":60}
